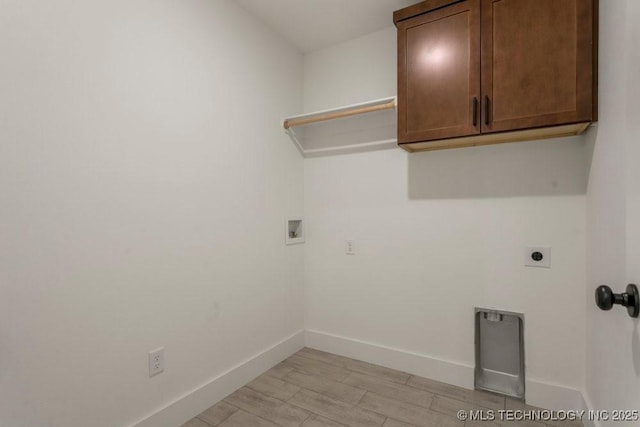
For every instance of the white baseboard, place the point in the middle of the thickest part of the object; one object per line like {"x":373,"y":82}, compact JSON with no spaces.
{"x":558,"y":397}
{"x":553,"y":396}
{"x":588,"y":407}
{"x":538,"y":393}
{"x":446,"y":371}
{"x":186,"y":407}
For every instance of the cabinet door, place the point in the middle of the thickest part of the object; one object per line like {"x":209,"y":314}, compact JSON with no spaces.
{"x":537,"y":58}
{"x":439,"y":73}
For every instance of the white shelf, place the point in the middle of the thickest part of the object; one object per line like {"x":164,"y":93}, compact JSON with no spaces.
{"x":359,"y":127}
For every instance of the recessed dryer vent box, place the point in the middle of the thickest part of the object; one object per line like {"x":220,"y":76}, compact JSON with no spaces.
{"x":295,"y":231}
{"x":500,"y":352}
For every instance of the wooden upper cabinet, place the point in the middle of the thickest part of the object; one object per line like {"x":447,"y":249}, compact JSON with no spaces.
{"x":439,"y":73}
{"x":537,"y":61}
{"x":514,"y":69}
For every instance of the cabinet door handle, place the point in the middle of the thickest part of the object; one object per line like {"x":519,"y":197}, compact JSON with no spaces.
{"x":486,"y":110}
{"x":475,"y":111}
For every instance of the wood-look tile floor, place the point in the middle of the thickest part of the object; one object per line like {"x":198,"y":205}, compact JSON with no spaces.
{"x":318,"y":389}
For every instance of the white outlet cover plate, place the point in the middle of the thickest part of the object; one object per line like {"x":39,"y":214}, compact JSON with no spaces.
{"x":350,"y":247}
{"x":529,"y":260}
{"x":156,"y":362}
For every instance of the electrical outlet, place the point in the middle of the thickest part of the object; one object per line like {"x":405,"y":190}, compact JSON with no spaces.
{"x":156,"y":362}
{"x":539,"y":256}
{"x":350,"y":247}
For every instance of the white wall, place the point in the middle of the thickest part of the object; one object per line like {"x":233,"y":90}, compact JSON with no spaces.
{"x":613,"y":212}
{"x":144,"y":184}
{"x":351,"y":72}
{"x":439,"y":233}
